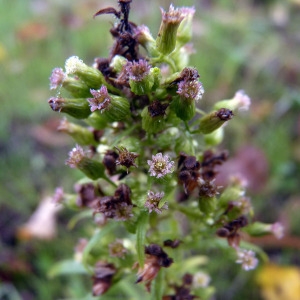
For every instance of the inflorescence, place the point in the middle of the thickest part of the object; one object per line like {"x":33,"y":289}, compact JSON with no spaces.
{"x":152,"y":161}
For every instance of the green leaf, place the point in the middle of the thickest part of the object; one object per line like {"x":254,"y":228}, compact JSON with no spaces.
{"x":78,"y":217}
{"x":141,"y":236}
{"x":67,"y":267}
{"x":99,"y":234}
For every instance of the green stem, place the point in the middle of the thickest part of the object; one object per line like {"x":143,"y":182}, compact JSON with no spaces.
{"x":124,"y":133}
{"x":110,"y":181}
{"x":187,"y":126}
{"x":200,"y":111}
{"x":165,"y":59}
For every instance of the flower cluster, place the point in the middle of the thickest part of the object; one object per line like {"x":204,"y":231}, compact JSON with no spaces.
{"x":141,"y":123}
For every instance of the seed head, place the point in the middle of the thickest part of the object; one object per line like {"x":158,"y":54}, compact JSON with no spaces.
{"x":126,"y":158}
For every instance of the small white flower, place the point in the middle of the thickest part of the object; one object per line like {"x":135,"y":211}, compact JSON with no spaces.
{"x":278,"y":230}
{"x":243,"y":101}
{"x":201,"y":279}
{"x":160,"y":165}
{"x":247,"y":259}
{"x":72,"y":64}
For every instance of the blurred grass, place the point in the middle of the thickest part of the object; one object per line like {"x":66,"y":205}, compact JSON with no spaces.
{"x":250,"y":45}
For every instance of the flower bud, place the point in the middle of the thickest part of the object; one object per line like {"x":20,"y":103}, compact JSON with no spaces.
{"x":231,"y":193}
{"x":91,"y":76}
{"x":166,"y":38}
{"x":144,"y":38}
{"x":91,"y":168}
{"x":181,"y":57}
{"x":207,"y":205}
{"x":184,"y":110}
{"x":142,"y":78}
{"x":184,"y":33}
{"x":153,"y":117}
{"x":240,"y":101}
{"x":260,"y":229}
{"x":114,"y":108}
{"x":214,"y":120}
{"x":77,"y":108}
{"x":76,"y":87}
{"x":80,"y":134}
{"x":215,"y":138}
{"x":117,"y":63}
{"x":97,"y":121}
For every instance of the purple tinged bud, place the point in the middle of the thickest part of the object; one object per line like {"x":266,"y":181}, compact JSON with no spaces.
{"x":75,"y":157}
{"x":153,"y":200}
{"x":137,"y":71}
{"x":101,"y":99}
{"x":57,"y":78}
{"x":166,"y":38}
{"x":190,"y":90}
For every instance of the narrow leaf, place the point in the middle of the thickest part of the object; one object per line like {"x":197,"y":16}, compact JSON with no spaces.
{"x":141,"y":236}
{"x":99,"y":234}
{"x":157,"y":288}
{"x":67,"y":267}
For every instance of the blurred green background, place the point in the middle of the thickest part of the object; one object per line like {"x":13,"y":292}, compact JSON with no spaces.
{"x":251,"y":45}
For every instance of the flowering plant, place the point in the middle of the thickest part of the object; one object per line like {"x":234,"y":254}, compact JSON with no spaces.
{"x":151,"y":165}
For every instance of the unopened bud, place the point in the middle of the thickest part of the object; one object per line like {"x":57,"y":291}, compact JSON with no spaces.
{"x":77,"y":108}
{"x":80,"y":134}
{"x":166,"y":38}
{"x":183,"y":109}
{"x":215,"y":138}
{"x":113,"y":107}
{"x":75,"y":87}
{"x":153,"y":117}
{"x":214,"y":120}
{"x":184,"y":33}
{"x":117,"y":63}
{"x":144,"y":38}
{"x":142,"y":78}
{"x":97,"y":121}
{"x":241,"y":101}
{"x":207,"y":205}
{"x":91,"y":76}
{"x":260,"y":229}
{"x":93,"y":169}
